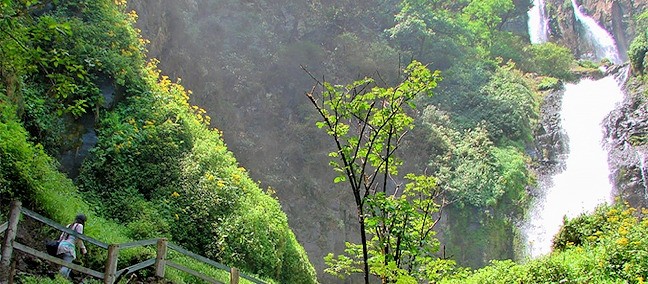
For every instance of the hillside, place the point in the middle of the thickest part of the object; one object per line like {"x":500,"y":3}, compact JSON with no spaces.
{"x":138,"y":159}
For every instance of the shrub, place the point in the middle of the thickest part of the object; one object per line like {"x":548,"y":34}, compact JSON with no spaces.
{"x":548,"y":83}
{"x":637,"y":52}
{"x":548,"y":59}
{"x":510,"y":107}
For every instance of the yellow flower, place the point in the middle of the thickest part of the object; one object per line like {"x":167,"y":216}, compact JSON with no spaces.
{"x":623,"y":230}
{"x":236,"y":178}
{"x":175,"y":194}
{"x":622,"y":241}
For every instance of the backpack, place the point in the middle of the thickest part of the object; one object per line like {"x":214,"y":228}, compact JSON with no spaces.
{"x":51,"y":246}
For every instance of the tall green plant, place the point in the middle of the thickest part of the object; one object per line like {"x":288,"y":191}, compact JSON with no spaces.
{"x":367,"y":124}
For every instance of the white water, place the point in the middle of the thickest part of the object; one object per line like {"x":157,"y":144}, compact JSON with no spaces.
{"x":538,"y":22}
{"x":644,"y":176}
{"x":604,"y":45}
{"x":584,"y":184}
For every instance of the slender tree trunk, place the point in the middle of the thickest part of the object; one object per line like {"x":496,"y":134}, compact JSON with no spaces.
{"x":363,"y":237}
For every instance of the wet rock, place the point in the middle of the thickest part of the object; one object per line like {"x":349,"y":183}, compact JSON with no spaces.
{"x":551,"y":141}
{"x":626,"y":130}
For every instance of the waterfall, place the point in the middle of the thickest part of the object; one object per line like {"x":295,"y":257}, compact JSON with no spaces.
{"x":603,"y":43}
{"x":584,"y":183}
{"x":538,"y":22}
{"x":643,"y":169}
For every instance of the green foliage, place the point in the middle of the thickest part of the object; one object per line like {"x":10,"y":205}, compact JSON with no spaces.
{"x":637,"y":52}
{"x":485,"y":184}
{"x":588,"y":64}
{"x":366,"y":123}
{"x":157,"y":158}
{"x":621,"y":234}
{"x":382,"y":109}
{"x":548,"y":59}
{"x":474,"y":178}
{"x":60,"y":57}
{"x":402,"y":248}
{"x":480,"y":174}
{"x":58,"y":279}
{"x":426,"y":29}
{"x":639,"y":45}
{"x":30,"y":175}
{"x":508,"y":47}
{"x":607,"y":246}
{"x":549,"y":83}
{"x":154,"y":156}
{"x":484,"y":18}
{"x":510,"y":107}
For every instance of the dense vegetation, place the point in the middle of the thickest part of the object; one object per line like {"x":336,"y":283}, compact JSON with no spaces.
{"x":607,"y":246}
{"x":252,"y":86}
{"x":71,"y":69}
{"x":156,"y":170}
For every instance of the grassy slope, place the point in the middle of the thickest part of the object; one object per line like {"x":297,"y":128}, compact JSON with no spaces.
{"x":99,"y":40}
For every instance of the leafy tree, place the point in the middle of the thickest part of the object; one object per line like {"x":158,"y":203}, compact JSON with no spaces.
{"x":485,"y":17}
{"x":509,"y":107}
{"x":427,"y":29}
{"x":367,"y":124}
{"x":548,"y":59}
{"x":474,"y":179}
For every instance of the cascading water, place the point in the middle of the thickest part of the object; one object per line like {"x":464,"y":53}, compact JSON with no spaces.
{"x":584,"y":183}
{"x":644,"y":173}
{"x":604,"y":45}
{"x":538,"y":22}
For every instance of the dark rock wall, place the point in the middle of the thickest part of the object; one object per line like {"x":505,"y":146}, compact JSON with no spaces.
{"x":627,"y":131}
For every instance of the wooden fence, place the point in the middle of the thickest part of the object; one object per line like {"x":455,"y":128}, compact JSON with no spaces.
{"x":110,"y":274}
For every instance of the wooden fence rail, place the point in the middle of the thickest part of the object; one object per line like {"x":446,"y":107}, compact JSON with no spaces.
{"x":110,"y":274}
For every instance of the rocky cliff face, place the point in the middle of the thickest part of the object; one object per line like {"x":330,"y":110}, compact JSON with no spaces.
{"x":627,"y":132}
{"x":241,"y":60}
{"x":551,"y":142}
{"x":618,"y":17}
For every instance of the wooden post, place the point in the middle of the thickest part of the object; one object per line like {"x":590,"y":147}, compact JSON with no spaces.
{"x":7,"y":245}
{"x":111,"y":264}
{"x":160,"y":259}
{"x":234,"y":275}
{"x":12,"y":271}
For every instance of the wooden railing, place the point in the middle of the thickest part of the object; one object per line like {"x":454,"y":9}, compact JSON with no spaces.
{"x":110,"y":274}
